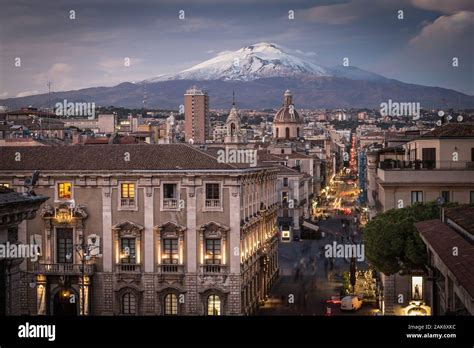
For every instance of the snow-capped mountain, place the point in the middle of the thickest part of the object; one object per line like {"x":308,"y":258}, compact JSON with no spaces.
{"x":253,"y":62}
{"x":258,"y":75}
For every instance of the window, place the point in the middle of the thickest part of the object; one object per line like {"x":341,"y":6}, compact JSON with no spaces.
{"x":472,"y":154}
{"x":65,"y":190}
{"x":127,"y":195}
{"x":416,"y":196}
{"x":284,"y":197}
{"x":285,"y":182}
{"x":428,"y":155}
{"x":4,"y":184}
{"x":212,"y":195}
{"x":170,"y":196}
{"x":64,"y":247}
{"x":170,"y":251}
{"x":446,"y":195}
{"x":213,"y":251}
{"x":471,"y":199}
{"x":127,"y":250}
{"x":171,"y":304}
{"x":129,"y":303}
{"x":213,"y":305}
{"x":277,"y":132}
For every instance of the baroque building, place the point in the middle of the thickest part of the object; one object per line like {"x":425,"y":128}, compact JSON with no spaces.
{"x":145,"y":230}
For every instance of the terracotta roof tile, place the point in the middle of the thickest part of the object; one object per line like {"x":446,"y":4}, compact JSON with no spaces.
{"x":441,"y":238}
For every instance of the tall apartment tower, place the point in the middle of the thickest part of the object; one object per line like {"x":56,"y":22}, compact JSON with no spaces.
{"x":196,"y":108}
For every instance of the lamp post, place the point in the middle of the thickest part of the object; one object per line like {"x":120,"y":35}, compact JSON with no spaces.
{"x":84,"y":251}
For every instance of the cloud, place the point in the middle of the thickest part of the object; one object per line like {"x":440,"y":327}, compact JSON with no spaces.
{"x":3,"y":95}
{"x":445,"y":6}
{"x":26,"y":93}
{"x":210,"y":51}
{"x":307,"y":54}
{"x":445,"y":30}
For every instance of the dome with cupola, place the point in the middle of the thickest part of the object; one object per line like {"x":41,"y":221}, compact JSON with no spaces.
{"x":287,"y":123}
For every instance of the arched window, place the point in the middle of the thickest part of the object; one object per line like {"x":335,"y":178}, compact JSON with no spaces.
{"x":298,"y":132}
{"x":171,"y":304}
{"x":287,"y":133}
{"x":232,"y":129}
{"x":277,"y":132}
{"x":129,"y":303}
{"x":213,"y":305}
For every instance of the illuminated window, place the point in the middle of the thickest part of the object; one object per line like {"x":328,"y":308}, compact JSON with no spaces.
{"x":128,"y":250}
{"x":170,"y":251}
{"x":213,"y":251}
{"x":127,"y":194}
{"x":129,"y":303}
{"x":213,"y":305}
{"x":171,"y":304}
{"x":65,"y":190}
{"x":4,"y":184}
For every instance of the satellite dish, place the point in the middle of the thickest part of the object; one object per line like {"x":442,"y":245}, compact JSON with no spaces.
{"x":191,"y":141}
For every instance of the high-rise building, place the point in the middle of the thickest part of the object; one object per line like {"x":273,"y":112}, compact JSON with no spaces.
{"x":196,"y":108}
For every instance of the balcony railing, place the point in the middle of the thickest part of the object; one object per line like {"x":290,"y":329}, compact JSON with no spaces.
{"x":214,"y":269}
{"x":170,"y":203}
{"x":213,"y":203}
{"x":127,"y":202}
{"x":128,"y":267}
{"x":62,"y":268}
{"x":426,"y":165}
{"x":171,"y":269}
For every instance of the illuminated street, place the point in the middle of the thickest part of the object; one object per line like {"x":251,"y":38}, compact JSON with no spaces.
{"x":307,"y":278}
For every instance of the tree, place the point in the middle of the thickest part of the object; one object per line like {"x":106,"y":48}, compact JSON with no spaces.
{"x":392,"y":243}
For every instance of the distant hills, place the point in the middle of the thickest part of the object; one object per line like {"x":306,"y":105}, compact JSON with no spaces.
{"x":259,"y":74}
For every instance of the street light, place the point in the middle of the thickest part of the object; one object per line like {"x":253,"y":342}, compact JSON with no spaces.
{"x":84,"y":251}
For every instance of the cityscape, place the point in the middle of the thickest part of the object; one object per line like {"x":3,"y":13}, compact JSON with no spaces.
{"x":257,"y":175}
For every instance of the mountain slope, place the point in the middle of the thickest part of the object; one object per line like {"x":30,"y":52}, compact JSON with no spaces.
{"x":256,"y":61}
{"x":264,"y":71}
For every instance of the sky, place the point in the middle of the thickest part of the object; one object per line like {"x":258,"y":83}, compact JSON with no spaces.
{"x":91,"y":49}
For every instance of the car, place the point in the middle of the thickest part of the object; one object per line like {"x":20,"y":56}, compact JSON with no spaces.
{"x":351,"y":303}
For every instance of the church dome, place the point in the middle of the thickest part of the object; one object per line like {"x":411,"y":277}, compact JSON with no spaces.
{"x":287,"y":113}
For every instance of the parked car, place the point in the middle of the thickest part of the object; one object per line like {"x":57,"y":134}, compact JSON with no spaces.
{"x":351,"y":303}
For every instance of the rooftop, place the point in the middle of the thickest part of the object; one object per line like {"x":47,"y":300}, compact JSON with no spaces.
{"x":441,"y":239}
{"x":112,"y":158}
{"x":452,"y":130}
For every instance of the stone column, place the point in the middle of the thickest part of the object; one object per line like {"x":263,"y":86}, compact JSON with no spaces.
{"x":149,"y":258}
{"x":107,"y":244}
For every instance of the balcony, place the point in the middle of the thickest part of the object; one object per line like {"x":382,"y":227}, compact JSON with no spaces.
{"x":170,"y":203}
{"x":62,"y":268}
{"x":128,"y":268}
{"x":213,"y":203}
{"x":171,"y":269}
{"x":214,"y":269}
{"x":413,"y":172}
{"x":425,"y":165}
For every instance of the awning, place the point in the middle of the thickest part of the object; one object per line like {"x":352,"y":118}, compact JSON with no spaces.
{"x":311,"y":226}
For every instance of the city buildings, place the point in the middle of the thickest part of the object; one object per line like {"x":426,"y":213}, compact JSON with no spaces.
{"x":196,"y":110}
{"x":146,"y":230}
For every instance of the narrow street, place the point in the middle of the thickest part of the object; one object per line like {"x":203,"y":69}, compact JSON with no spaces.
{"x":307,"y":278}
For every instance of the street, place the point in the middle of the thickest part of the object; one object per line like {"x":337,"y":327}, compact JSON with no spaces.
{"x":308,"y":279}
